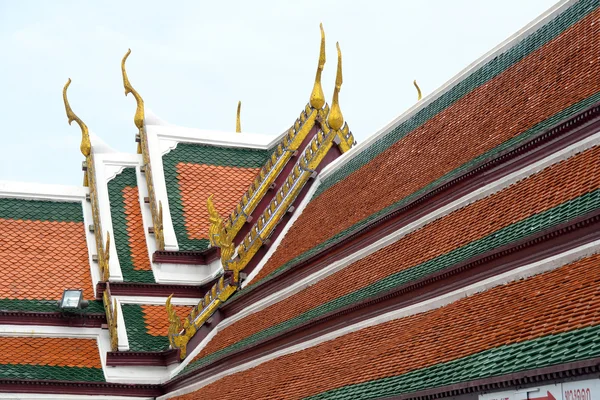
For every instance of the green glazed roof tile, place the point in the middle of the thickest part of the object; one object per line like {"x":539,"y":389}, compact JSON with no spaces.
{"x":38,"y":210}
{"x":137,"y":334}
{"x":207,"y":155}
{"x":126,"y":178}
{"x":51,"y":372}
{"x":540,"y":352}
{"x":536,"y":223}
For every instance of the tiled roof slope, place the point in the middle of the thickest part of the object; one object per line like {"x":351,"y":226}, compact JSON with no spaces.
{"x":147,"y":325}
{"x":556,"y":194}
{"x":43,"y":250}
{"x":193,"y":172}
{"x":545,"y":78}
{"x":128,"y":229}
{"x":548,"y":319}
{"x":61,"y":359}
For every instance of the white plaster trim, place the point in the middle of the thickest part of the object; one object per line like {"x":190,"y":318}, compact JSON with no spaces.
{"x":523,"y":272}
{"x":157,"y":301}
{"x":90,"y":239}
{"x":122,"y":339}
{"x":483,"y":192}
{"x":178,"y":134}
{"x":160,"y":189}
{"x":501,"y":48}
{"x":42,"y":191}
{"x":108,"y":166}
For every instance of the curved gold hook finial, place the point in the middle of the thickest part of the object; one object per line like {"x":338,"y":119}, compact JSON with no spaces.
{"x":238,"y":123}
{"x":419,"y":96}
{"x":86,"y":145}
{"x":317,"y":98}
{"x":138,"y":119}
{"x":336,"y":119}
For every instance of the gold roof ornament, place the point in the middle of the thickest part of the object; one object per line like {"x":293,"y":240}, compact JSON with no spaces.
{"x":317,"y":97}
{"x":216,"y":228}
{"x":86,"y":145}
{"x":419,"y":95}
{"x":336,"y":119}
{"x":238,"y":123}
{"x":138,"y":119}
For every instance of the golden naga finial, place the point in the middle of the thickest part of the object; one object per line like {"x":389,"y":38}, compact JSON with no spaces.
{"x":138,"y":119}
{"x":336,"y":119}
{"x":174,"y":322}
{"x":238,"y":123}
{"x":419,"y":96}
{"x":317,"y":98}
{"x":86,"y":145}
{"x":216,"y":228}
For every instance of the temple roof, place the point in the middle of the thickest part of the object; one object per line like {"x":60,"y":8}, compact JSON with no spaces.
{"x":503,"y":100}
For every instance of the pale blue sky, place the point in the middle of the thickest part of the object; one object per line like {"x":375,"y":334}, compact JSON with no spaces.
{"x":193,"y":60}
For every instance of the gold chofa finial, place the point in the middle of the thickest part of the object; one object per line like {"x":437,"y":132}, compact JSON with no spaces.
{"x":238,"y":123}
{"x":336,"y":119}
{"x":138,"y":119}
{"x":317,"y":98}
{"x":86,"y":145}
{"x":419,"y":96}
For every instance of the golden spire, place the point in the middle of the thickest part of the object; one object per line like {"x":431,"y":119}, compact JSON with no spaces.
{"x":317,"y":98}
{"x":336,"y":119}
{"x":238,"y":123}
{"x":138,"y":119}
{"x":86,"y":145}
{"x":419,"y":96}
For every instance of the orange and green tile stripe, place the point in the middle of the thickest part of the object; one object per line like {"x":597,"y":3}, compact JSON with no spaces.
{"x":499,"y":133}
{"x":509,"y":234}
{"x":521,"y":325}
{"x":201,"y":155}
{"x":118,"y":189}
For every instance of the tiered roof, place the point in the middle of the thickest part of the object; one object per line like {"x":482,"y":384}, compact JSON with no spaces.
{"x":455,"y":250}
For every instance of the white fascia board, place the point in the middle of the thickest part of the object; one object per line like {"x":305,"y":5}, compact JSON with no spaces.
{"x":157,"y":301}
{"x":108,"y":166}
{"x":160,"y":188}
{"x":336,"y":266}
{"x":523,"y":272}
{"x":171,"y":135}
{"x":184,"y":274}
{"x":42,"y":191}
{"x":501,"y":48}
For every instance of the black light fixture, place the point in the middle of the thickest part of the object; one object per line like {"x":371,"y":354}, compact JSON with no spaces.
{"x":72,"y":299}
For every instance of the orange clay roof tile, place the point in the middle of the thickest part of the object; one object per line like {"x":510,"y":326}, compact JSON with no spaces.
{"x":41,"y":258}
{"x":511,"y":313}
{"x":65,"y":352}
{"x":157,"y":319}
{"x":542,"y":84}
{"x":135,"y":229}
{"x":197,"y":182}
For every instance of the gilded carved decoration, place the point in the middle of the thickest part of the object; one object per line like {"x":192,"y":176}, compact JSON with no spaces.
{"x":419,"y":95}
{"x":234,"y":259}
{"x":238,"y":122}
{"x":155,"y":206}
{"x":283,"y":152}
{"x":335,"y":118}
{"x":89,"y":180}
{"x":317,"y":97}
{"x":179,"y":336}
{"x":111,"y":319}
{"x":86,"y":145}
